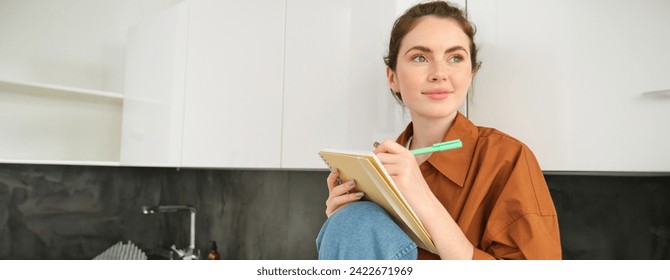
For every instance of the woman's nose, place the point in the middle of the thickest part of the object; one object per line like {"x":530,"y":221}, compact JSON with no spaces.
{"x":438,"y":74}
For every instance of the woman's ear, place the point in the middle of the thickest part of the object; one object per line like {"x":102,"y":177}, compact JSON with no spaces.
{"x":392,"y":79}
{"x":393,"y":84}
{"x":475,"y":68}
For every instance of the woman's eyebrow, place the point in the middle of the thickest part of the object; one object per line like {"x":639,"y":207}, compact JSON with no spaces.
{"x":419,"y":48}
{"x":456,"y":48}
{"x":428,"y":50}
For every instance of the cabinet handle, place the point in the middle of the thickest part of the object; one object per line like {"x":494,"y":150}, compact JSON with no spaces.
{"x":657,"y":93}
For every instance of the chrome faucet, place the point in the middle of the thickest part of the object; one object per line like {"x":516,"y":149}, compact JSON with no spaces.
{"x":190,"y":253}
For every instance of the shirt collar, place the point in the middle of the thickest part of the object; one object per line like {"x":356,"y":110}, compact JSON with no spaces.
{"x":453,"y":164}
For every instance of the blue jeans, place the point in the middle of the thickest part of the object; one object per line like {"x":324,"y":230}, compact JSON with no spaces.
{"x":363,"y":231}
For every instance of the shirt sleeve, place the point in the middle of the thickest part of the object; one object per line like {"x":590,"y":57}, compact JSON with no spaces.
{"x":523,"y":223}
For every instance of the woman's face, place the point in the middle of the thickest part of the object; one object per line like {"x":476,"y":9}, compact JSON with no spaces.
{"x":433,"y":72}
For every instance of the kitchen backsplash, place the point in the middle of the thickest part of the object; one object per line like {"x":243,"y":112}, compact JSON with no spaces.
{"x":77,"y":212}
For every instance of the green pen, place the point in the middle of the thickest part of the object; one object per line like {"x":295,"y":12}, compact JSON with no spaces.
{"x":438,"y":147}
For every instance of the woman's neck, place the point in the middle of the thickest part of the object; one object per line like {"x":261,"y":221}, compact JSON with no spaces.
{"x":428,"y":132}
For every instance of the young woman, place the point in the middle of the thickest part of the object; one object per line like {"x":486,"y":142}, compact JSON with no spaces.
{"x":486,"y":200}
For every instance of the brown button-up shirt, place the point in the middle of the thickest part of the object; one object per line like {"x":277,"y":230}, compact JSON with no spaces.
{"x":494,"y":189}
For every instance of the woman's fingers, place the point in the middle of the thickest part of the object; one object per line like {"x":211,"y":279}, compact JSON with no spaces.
{"x":339,"y":194}
{"x":335,"y":189}
{"x":389,"y":146}
{"x":335,"y":203}
{"x":331,"y":181}
{"x":346,"y":198}
{"x":342,"y":188}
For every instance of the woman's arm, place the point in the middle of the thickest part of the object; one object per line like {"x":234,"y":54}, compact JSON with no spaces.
{"x":448,"y":237}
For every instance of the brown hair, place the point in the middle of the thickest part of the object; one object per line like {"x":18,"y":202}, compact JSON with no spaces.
{"x":405,"y":23}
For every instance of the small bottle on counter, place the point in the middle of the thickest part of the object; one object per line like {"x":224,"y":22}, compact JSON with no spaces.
{"x":213,"y":251}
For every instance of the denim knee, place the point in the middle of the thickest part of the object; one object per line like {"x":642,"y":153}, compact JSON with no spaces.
{"x":363,"y":230}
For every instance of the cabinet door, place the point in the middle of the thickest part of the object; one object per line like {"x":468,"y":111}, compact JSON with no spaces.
{"x":583,"y":83}
{"x":154,"y":91}
{"x":234,"y":82}
{"x":335,"y":93}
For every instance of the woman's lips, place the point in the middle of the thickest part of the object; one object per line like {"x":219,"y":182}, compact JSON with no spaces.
{"x":437,"y":94}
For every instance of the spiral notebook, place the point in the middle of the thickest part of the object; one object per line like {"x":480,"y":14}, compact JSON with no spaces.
{"x":371,"y":178}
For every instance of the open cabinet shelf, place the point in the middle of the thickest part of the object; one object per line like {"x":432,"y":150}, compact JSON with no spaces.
{"x":49,"y":89}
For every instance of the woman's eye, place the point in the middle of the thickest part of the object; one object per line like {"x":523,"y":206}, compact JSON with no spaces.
{"x":456,"y":59}
{"x":419,"y":58}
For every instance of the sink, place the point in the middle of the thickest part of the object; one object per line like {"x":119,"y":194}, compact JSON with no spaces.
{"x":158,"y":254}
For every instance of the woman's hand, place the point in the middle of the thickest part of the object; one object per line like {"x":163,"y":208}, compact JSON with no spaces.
{"x":339,"y":194}
{"x":399,"y":162}
{"x":402,"y":166}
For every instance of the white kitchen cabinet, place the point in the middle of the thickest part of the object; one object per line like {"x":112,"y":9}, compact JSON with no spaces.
{"x":583,"y":83}
{"x":205,"y":86}
{"x":234,"y":82}
{"x":153,"y":111}
{"x":336,"y":94}
{"x":62,"y":79}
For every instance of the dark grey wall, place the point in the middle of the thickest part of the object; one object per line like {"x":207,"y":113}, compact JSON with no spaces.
{"x":76,"y":212}
{"x":612,"y":217}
